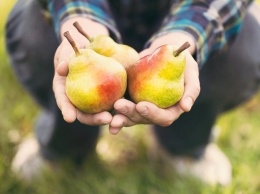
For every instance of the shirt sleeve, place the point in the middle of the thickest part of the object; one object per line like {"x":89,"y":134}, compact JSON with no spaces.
{"x":97,"y":10}
{"x":212,"y":24}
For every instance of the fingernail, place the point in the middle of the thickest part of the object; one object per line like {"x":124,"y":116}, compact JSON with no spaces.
{"x":143,"y":110}
{"x":114,"y":131}
{"x":188,"y":102}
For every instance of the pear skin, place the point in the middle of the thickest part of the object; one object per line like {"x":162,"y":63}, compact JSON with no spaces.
{"x":158,"y":78}
{"x":106,"y":46}
{"x":94,"y":82}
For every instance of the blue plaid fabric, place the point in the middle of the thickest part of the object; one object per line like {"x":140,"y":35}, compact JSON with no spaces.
{"x":212,"y":23}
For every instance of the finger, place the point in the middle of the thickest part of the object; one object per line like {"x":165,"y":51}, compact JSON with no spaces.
{"x":118,"y":122}
{"x":192,"y":85}
{"x":128,"y":109}
{"x":63,"y":52}
{"x":68,"y":111}
{"x":162,"y":117}
{"x":64,"y":104}
{"x":62,"y":68}
{"x":56,"y":56}
{"x":114,"y":130}
{"x":98,"y":119}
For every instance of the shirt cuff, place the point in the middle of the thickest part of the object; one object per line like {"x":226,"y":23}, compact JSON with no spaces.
{"x":202,"y":32}
{"x":61,"y":13}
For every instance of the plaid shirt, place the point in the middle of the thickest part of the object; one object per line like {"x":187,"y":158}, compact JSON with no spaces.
{"x":212,"y":23}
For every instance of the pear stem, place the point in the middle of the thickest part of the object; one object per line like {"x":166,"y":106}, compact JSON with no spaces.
{"x":72,"y":42}
{"x":81,"y":31}
{"x":181,"y":48}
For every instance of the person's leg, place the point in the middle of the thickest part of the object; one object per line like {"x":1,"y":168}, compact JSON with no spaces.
{"x":227,"y":80}
{"x":31,"y":43}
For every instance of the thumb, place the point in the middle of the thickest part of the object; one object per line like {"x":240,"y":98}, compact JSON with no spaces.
{"x":62,"y":68}
{"x":61,"y":58}
{"x":191,"y":84}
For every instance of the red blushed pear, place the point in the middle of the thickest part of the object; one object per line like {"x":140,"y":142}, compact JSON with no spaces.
{"x":94,"y":82}
{"x":158,"y":78}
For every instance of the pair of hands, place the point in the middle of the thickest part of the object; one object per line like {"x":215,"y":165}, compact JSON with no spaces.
{"x":127,"y":113}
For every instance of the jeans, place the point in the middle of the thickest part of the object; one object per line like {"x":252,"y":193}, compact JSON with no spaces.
{"x":227,"y":79}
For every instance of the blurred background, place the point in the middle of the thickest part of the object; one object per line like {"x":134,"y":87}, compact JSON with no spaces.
{"x":121,"y":168}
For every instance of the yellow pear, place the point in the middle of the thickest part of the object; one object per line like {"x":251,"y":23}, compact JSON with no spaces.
{"x":94,"y":82}
{"x":106,"y":46}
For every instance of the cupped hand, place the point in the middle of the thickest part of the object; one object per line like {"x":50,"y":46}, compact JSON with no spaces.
{"x":64,"y":51}
{"x":129,"y":113}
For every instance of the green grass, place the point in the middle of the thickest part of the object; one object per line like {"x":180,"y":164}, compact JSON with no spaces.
{"x":121,"y":168}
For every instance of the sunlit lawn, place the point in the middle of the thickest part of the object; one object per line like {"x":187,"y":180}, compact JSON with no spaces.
{"x":133,"y":172}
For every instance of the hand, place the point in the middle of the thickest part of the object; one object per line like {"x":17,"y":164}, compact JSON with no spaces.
{"x":129,"y":114}
{"x":64,"y":51}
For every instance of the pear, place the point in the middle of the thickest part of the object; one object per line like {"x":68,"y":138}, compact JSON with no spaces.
{"x":94,"y":82}
{"x":106,"y":46}
{"x":158,"y":78}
